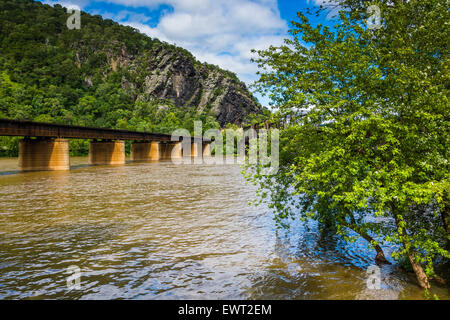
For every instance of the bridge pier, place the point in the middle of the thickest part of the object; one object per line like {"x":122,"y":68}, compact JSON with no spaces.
{"x":107,"y":152}
{"x":44,"y":155}
{"x":145,"y":151}
{"x":171,"y":150}
{"x":196,"y":150}
{"x":206,"y":149}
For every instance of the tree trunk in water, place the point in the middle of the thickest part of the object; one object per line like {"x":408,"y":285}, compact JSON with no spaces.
{"x":380,"y":258}
{"x":418,"y":270}
{"x":421,"y":276}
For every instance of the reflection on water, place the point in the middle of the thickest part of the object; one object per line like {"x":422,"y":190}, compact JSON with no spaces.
{"x":164,"y":231}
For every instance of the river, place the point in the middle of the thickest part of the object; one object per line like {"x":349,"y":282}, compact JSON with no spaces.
{"x":165,"y":231}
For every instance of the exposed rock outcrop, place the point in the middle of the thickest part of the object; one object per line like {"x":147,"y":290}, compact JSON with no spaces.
{"x":169,"y":74}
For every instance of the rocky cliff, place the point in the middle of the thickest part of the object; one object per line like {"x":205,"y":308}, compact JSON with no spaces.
{"x":102,"y":74}
{"x":171,"y":74}
{"x":162,"y":72}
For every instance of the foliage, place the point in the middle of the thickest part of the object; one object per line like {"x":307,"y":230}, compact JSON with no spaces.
{"x":259,"y":119}
{"x":366,"y":143}
{"x":49,"y":73}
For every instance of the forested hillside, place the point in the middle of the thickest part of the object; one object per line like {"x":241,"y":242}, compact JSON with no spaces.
{"x":107,"y":75}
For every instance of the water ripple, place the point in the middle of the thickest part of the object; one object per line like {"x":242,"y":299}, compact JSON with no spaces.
{"x":159,"y":231}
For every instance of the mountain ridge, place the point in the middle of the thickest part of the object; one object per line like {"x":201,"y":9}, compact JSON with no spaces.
{"x":107,"y":74}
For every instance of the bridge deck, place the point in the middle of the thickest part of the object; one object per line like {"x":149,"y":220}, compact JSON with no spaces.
{"x":49,"y":130}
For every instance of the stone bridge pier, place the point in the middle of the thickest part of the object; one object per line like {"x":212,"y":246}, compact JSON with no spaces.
{"x":200,"y":149}
{"x":152,"y":151}
{"x":107,"y":152}
{"x":45,"y":146}
{"x":206,"y":149}
{"x":145,"y":151}
{"x":171,"y":150}
{"x":44,"y":154}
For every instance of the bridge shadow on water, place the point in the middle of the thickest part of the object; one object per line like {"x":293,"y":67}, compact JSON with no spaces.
{"x":79,"y":166}
{"x":7,"y":173}
{"x":13,"y":172}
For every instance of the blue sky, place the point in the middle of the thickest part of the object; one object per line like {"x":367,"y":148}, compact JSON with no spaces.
{"x":220,"y":32}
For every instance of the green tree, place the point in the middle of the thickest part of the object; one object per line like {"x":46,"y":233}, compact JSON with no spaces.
{"x":95,"y":76}
{"x":366,"y":144}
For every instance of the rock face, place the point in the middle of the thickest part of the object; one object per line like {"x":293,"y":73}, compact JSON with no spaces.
{"x":165,"y":73}
{"x":111,"y":67}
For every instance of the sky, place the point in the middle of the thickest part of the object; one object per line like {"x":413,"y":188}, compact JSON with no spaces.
{"x":220,"y":32}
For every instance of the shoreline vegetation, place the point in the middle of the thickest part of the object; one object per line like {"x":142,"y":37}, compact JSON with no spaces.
{"x":363,"y":114}
{"x":366,"y":114}
{"x":107,"y":75}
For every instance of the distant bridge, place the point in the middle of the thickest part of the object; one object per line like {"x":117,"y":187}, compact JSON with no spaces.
{"x":49,"y":150}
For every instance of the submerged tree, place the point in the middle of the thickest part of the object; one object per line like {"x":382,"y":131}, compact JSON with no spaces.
{"x":366,"y":145}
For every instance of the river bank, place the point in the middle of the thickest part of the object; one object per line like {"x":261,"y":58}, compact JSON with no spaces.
{"x":165,"y":231}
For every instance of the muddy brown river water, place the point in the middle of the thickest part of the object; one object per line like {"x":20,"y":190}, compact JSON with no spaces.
{"x":165,"y":231}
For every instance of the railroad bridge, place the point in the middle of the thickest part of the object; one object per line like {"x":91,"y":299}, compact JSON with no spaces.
{"x":45,"y":146}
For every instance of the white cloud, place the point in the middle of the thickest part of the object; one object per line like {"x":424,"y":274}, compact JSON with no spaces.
{"x":68,"y":3}
{"x":323,"y":2}
{"x":220,"y":32}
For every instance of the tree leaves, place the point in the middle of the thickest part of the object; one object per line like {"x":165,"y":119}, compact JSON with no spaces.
{"x":381,"y":102}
